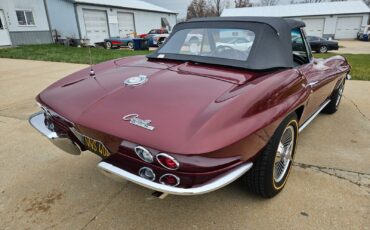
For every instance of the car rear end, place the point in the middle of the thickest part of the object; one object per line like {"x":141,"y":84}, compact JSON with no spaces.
{"x":155,"y":169}
{"x":333,"y":45}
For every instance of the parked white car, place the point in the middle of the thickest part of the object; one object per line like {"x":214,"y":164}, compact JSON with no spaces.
{"x":159,"y":39}
{"x":237,"y":43}
{"x":241,"y":44}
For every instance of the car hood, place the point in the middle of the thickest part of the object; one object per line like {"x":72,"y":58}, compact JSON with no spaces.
{"x":179,"y":98}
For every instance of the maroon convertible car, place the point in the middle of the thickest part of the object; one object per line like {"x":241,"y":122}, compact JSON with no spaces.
{"x":192,"y":117}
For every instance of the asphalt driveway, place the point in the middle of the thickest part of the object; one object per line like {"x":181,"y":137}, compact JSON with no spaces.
{"x":41,"y":187}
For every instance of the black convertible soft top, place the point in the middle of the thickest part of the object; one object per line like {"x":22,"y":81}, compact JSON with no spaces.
{"x":272,"y":47}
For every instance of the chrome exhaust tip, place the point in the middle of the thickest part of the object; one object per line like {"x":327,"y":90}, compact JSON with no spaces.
{"x":159,"y":195}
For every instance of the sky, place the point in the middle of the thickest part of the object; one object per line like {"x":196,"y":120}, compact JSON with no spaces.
{"x":178,"y":6}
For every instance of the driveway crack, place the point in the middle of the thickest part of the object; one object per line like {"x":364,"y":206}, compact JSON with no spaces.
{"x":358,"y":109}
{"x":101,"y":210}
{"x":357,"y":178}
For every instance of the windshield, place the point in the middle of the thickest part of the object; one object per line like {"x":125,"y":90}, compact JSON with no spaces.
{"x":216,"y":42}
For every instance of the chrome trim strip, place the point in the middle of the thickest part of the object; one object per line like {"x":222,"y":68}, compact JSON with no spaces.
{"x":114,"y":172}
{"x":63,"y":142}
{"x":313,"y":116}
{"x":313,"y":83}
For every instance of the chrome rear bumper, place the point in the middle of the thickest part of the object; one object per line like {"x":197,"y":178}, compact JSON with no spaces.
{"x":63,"y":142}
{"x":219,"y":182}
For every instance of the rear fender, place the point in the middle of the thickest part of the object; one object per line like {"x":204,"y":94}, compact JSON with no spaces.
{"x":267,"y":101}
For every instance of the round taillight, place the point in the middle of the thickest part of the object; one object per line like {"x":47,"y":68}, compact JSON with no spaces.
{"x":144,"y":154}
{"x":167,"y":161}
{"x":147,"y":173}
{"x":169,"y":179}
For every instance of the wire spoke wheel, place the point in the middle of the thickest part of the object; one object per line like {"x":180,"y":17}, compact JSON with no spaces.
{"x":335,"y":99}
{"x":340,"y":94}
{"x":130,"y":45}
{"x":284,"y":153}
{"x":323,"y":49}
{"x":108,"y":45}
{"x":271,"y":169}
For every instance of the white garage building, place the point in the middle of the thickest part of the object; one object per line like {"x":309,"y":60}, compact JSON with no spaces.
{"x":338,"y":20}
{"x":23,"y":22}
{"x":97,"y":20}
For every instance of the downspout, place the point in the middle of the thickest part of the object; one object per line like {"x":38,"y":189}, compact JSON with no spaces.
{"x":48,"y":19}
{"x":77,"y":21}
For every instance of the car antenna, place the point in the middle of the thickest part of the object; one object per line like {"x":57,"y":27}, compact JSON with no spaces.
{"x":92,"y":72}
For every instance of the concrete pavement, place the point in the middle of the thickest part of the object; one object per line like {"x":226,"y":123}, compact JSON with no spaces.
{"x":41,"y":187}
{"x":353,"y":47}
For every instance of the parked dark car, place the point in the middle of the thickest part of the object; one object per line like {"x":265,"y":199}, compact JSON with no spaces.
{"x":364,"y":33}
{"x":321,"y":45}
{"x":191,"y":118}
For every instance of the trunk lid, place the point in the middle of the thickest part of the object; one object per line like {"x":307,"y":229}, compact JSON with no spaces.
{"x":178,"y":99}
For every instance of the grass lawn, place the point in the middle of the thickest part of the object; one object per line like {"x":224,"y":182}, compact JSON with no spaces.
{"x":360,"y":64}
{"x":60,"y":53}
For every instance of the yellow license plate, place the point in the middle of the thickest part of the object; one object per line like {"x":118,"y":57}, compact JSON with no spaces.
{"x":96,"y":147}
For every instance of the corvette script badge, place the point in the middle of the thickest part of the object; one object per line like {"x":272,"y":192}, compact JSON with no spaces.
{"x":135,"y":120}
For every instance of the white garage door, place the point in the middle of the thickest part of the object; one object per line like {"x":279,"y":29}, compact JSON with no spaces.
{"x":347,"y":27}
{"x":126,"y":24}
{"x":4,"y":33}
{"x":314,"y":26}
{"x":96,"y":25}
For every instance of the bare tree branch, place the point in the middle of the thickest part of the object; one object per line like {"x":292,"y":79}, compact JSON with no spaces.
{"x":218,"y":6}
{"x":268,"y":2}
{"x":242,"y":3}
{"x":313,"y":1}
{"x":205,"y":8}
{"x":197,"y":8}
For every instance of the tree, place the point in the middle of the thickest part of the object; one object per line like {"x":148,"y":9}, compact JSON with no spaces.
{"x":268,"y":2}
{"x":313,"y":1}
{"x":217,"y":7}
{"x":243,"y":3}
{"x":367,"y":2}
{"x":205,"y":8}
{"x":198,"y":8}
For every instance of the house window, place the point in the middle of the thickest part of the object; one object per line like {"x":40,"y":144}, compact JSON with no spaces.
{"x":25,"y":18}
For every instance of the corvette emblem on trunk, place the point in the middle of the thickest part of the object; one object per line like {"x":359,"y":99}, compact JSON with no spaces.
{"x":136,"y":81}
{"x":135,"y":120}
